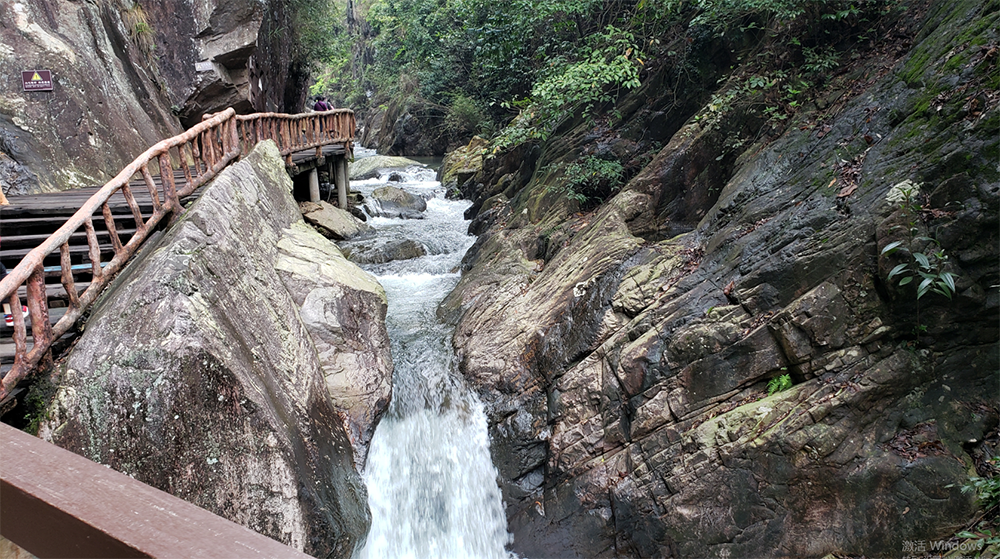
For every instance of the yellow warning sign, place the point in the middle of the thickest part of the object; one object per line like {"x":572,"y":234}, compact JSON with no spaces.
{"x":36,"y":80}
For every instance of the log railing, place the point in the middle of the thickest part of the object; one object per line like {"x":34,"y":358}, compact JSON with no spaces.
{"x":170,"y":170}
{"x":294,"y":133}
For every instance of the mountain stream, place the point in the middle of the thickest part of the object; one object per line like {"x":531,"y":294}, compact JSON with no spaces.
{"x":432,"y":487}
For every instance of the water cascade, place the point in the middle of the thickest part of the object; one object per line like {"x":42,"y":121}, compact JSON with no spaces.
{"x":431,"y":484}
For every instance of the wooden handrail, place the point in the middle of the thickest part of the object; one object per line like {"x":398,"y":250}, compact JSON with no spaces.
{"x":58,"y":504}
{"x":199,"y":154}
{"x":295,"y":133}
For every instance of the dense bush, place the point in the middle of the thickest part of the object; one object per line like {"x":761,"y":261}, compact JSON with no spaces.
{"x":545,"y":61}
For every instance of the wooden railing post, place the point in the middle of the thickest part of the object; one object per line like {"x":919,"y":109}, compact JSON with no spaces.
{"x":38,"y":309}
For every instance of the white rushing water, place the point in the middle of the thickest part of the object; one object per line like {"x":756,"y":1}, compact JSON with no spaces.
{"x":431,"y":484}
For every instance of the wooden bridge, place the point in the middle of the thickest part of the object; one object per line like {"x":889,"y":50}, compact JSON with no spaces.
{"x":59,"y":275}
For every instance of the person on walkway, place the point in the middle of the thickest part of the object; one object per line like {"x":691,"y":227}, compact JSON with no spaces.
{"x":321,"y":104}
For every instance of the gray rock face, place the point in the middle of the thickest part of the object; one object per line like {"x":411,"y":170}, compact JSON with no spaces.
{"x":105,"y":107}
{"x":343,"y":309}
{"x":203,"y":52}
{"x":127,"y":75}
{"x":380,"y":251}
{"x":625,"y":366}
{"x":377,"y":165}
{"x":403,"y":130}
{"x":207,"y":370}
{"x":333,"y":222}
{"x":390,"y":201}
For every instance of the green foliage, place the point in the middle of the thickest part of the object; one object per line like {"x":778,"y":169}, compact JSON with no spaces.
{"x":591,"y":179}
{"x":37,"y":403}
{"x":927,"y":267}
{"x":980,"y":537}
{"x":464,"y":117}
{"x":987,"y":489}
{"x":140,"y":31}
{"x":316,"y":31}
{"x":521,"y":130}
{"x":779,"y":384}
{"x":534,"y":64}
{"x":723,"y":15}
{"x":820,"y":59}
{"x":610,"y":62}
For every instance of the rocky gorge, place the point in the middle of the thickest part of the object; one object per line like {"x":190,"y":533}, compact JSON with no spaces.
{"x":736,"y":351}
{"x":624,"y":352}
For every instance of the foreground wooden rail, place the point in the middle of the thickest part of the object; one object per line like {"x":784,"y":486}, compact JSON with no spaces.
{"x":199,"y":155}
{"x":57,"y":504}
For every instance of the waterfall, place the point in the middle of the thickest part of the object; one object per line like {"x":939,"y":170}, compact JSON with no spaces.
{"x":432,"y":486}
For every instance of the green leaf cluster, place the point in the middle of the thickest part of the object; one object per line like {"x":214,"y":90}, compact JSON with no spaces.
{"x":779,"y":384}
{"x":550,"y":61}
{"x":927,"y":267}
{"x":609,"y":63}
{"x":590,"y":179}
{"x":987,"y":489}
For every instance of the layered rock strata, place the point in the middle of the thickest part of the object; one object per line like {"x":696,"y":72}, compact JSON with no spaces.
{"x":625,"y":353}
{"x":127,"y":75}
{"x":241,"y":364}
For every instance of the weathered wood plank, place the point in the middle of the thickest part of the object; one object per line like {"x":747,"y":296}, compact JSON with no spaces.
{"x":98,"y":512}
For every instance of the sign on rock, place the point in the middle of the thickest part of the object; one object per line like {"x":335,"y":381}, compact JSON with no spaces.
{"x":36,"y":80}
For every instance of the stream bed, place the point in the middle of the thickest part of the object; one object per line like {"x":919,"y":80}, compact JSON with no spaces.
{"x":431,"y":483}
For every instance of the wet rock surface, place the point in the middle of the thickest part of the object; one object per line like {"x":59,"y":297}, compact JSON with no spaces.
{"x":380,"y":251}
{"x":333,"y":222}
{"x":390,"y":201}
{"x":243,"y":373}
{"x":624,"y":353}
{"x":376,"y":166}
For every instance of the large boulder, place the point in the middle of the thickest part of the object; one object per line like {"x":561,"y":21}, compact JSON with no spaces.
{"x":461,"y":165}
{"x":343,"y":309}
{"x":333,"y":222}
{"x":380,"y":251}
{"x":376,"y":166}
{"x":391,"y":201}
{"x":625,"y":354}
{"x":206,"y":370}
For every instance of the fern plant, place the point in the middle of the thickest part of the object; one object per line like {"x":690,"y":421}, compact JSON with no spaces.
{"x":779,"y":384}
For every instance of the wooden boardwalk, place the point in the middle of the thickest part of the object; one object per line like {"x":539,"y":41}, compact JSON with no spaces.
{"x":31,"y":220}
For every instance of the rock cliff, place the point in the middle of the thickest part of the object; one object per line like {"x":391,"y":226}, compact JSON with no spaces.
{"x":127,"y":75}
{"x":625,"y":353}
{"x":241,"y":364}
{"x":105,"y":108}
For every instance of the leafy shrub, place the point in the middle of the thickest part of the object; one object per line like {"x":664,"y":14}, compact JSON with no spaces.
{"x":609,"y":64}
{"x":591,"y":179}
{"x":520,"y":130}
{"x":928,"y":267}
{"x":820,"y":59}
{"x":465,"y":118}
{"x":987,"y":489}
